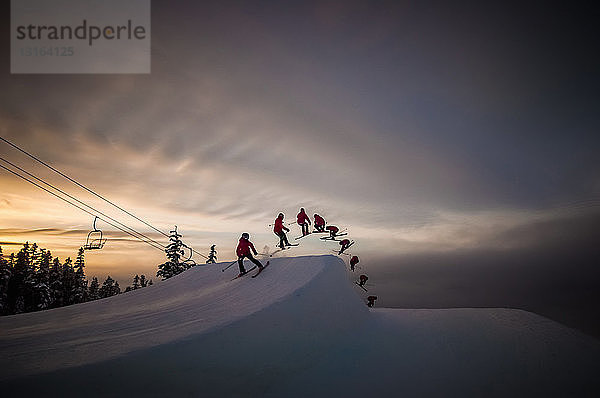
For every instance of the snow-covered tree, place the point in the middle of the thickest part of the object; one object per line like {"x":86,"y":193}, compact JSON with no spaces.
{"x":5,"y":275}
{"x":68,"y":282}
{"x":212,"y":256}
{"x":56,"y":286}
{"x":94,"y":290}
{"x":21,"y":290}
{"x":109,"y":288}
{"x":43,"y":293}
{"x":174,"y":253}
{"x":80,"y":283}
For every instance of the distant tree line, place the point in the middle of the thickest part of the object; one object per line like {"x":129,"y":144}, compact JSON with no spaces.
{"x":33,"y":280}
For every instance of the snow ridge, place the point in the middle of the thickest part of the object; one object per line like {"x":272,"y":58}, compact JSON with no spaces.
{"x":195,"y":302}
{"x":299,"y":330}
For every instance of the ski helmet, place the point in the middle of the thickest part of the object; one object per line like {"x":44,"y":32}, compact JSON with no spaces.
{"x":245,"y":235}
{"x":280,"y":215}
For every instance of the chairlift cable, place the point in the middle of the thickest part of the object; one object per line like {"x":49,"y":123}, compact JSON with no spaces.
{"x":80,"y":185}
{"x":82,"y":203}
{"x":80,"y":208}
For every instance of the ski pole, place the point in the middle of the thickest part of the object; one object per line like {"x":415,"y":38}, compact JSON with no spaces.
{"x":223,"y":270}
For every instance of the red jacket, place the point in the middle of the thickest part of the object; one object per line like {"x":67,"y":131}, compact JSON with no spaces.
{"x":319,"y":220}
{"x":302,"y":218}
{"x":332,"y":228}
{"x":354,"y":260}
{"x":244,"y":247}
{"x":279,"y":226}
{"x":345,"y":242}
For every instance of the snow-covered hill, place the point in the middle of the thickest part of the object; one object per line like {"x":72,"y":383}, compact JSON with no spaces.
{"x":299,"y":330}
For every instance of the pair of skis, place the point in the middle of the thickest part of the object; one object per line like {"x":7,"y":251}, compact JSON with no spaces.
{"x":338,"y":252}
{"x":251,"y":269}
{"x":310,"y":233}
{"x":361,"y":286}
{"x":333,"y":238}
{"x":285,"y":248}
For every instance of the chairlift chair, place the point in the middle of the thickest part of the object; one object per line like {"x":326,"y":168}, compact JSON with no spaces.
{"x":94,"y":239}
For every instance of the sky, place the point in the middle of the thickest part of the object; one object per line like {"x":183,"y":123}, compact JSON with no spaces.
{"x":424,"y":128}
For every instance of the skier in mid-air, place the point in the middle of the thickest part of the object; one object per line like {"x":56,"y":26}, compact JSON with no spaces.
{"x":304,"y":221}
{"x":371,"y":301}
{"x":333,"y":230}
{"x":362,"y":280}
{"x":344,"y":244}
{"x":319,"y":223}
{"x":353,"y":261}
{"x":279,"y":229}
{"x":245,"y":249}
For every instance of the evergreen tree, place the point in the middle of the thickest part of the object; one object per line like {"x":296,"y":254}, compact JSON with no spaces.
{"x":93,"y":290}
{"x":5,"y":275}
{"x":109,"y":288}
{"x":143,"y":281}
{"x":80,"y":283}
{"x":68,"y":279}
{"x":174,"y":253}
{"x":136,"y":282}
{"x":56,"y":286}
{"x":30,"y":282}
{"x":212,"y":256}
{"x":43,"y":293}
{"x":21,"y":284}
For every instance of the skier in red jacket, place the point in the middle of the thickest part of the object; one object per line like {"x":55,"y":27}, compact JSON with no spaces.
{"x":304,"y":221}
{"x":279,"y":229}
{"x":333,"y":230}
{"x":353,"y":261}
{"x":371,"y":301}
{"x":319,"y":223}
{"x":344,"y":244}
{"x":245,"y":249}
{"x":363,"y":279}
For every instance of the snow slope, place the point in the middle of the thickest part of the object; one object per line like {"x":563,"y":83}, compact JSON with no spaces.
{"x":299,"y":330}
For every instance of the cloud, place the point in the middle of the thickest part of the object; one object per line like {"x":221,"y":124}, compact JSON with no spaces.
{"x":377,"y":124}
{"x":12,"y":243}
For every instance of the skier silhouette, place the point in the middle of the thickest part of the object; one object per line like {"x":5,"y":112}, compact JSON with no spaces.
{"x":344,"y":245}
{"x":304,"y":221}
{"x":319,"y":223}
{"x":371,"y":301}
{"x":279,"y":229}
{"x":333,"y":230}
{"x":362,"y":280}
{"x":245,"y":249}
{"x":353,"y":261}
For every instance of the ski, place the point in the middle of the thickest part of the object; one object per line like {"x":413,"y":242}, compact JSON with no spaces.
{"x":330,"y":238}
{"x":346,"y":248}
{"x":280,"y":250}
{"x":261,"y":270}
{"x":362,"y":287}
{"x":338,"y":253}
{"x":244,"y":274}
{"x":291,"y":244}
{"x":303,"y":236}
